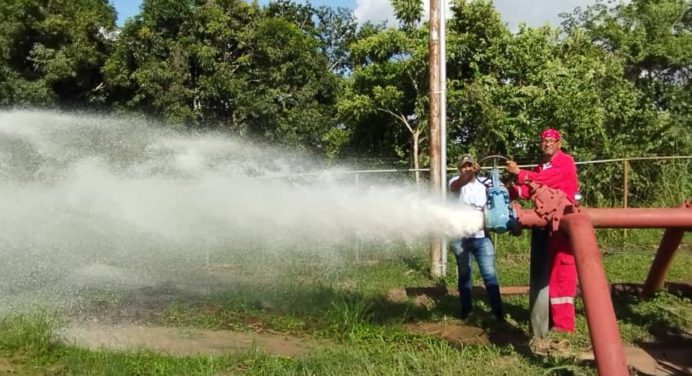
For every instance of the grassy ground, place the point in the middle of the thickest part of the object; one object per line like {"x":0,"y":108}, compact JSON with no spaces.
{"x":345,"y":306}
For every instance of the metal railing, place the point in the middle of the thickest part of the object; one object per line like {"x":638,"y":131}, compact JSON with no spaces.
{"x":624,"y":186}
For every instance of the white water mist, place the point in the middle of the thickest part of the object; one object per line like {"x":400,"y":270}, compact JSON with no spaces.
{"x":79,"y":191}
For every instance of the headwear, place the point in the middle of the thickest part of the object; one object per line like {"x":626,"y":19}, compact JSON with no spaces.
{"x":550,"y":133}
{"x":466,"y":158}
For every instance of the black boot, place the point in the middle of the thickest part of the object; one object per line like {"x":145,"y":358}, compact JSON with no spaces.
{"x":495,"y":301}
{"x":466,"y":304}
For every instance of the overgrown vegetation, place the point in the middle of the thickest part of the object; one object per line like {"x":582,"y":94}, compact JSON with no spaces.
{"x":349,"y":310}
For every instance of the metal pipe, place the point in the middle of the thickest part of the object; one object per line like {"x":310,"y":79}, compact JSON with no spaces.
{"x":579,"y":224}
{"x":621,"y":218}
{"x":640,"y":217}
{"x":443,"y":125}
{"x":672,"y":238}
{"x":443,"y":98}
{"x":527,"y":218}
{"x":625,"y":194}
{"x":436,"y":267}
{"x":600,"y":315}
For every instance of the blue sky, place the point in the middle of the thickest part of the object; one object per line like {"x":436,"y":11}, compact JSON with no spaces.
{"x":129,"y":8}
{"x":531,"y":12}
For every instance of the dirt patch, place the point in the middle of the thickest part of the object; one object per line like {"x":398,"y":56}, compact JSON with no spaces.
{"x":654,"y":359}
{"x":456,"y":335}
{"x":181,"y":341}
{"x":6,"y":367}
{"x":672,"y":354}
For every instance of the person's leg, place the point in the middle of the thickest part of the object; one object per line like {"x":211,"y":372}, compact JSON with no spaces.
{"x":538,"y":288}
{"x":485,"y":256}
{"x":563,"y":285}
{"x":464,"y":272}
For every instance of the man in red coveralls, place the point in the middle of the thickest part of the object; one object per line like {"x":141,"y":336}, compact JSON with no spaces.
{"x":552,"y":271}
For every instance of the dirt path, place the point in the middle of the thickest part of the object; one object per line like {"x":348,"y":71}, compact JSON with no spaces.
{"x":181,"y":341}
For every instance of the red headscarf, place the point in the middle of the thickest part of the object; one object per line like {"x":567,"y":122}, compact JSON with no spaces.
{"x":550,"y":133}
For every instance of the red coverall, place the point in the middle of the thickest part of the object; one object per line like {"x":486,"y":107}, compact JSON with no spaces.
{"x":560,"y":173}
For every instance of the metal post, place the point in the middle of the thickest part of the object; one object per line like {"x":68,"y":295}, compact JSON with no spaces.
{"x":443,"y":126}
{"x":357,"y":240}
{"x":625,"y":193}
{"x":434,"y":124}
{"x":672,"y":238}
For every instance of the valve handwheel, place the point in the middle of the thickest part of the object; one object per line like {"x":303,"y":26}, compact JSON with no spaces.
{"x":487,"y":178}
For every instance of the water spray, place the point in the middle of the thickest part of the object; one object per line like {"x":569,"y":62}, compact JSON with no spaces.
{"x":92,"y":201}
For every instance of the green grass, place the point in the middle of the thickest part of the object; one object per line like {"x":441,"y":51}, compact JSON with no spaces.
{"x":346,"y":306}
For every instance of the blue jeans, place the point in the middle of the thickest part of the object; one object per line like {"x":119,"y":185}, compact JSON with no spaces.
{"x":483,"y":251}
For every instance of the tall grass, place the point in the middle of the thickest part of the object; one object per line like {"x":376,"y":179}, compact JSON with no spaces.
{"x":348,"y":313}
{"x":650,"y":183}
{"x":31,"y":333}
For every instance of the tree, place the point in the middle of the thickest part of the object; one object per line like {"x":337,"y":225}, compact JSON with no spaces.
{"x":477,"y":43}
{"x":408,"y":12}
{"x":336,"y":30}
{"x":387,"y":93}
{"x":226,"y":64}
{"x":51,"y":52}
{"x":653,"y":41}
{"x":385,"y":100}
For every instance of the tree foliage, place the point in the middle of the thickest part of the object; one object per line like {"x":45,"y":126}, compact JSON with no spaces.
{"x":226,"y":64}
{"x":386,"y":96}
{"x":615,"y":77}
{"x":51,"y":52}
{"x":652,"y":40}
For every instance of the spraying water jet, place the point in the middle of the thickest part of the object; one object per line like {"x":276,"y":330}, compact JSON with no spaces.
{"x":91,"y":202}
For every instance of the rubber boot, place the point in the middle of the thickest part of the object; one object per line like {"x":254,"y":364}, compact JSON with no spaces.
{"x":465,"y":300}
{"x":495,"y":301}
{"x":539,"y":316}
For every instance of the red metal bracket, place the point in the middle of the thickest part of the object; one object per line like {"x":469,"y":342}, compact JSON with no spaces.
{"x":549,"y":204}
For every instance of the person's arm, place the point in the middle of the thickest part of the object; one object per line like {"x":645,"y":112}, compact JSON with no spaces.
{"x":455,"y":185}
{"x":518,"y":191}
{"x":550,"y":177}
{"x":560,"y":166}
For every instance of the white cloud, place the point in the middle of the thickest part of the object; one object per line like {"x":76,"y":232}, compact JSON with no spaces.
{"x":374,"y":11}
{"x":381,"y":10}
{"x":536,"y":12}
{"x":532,"y":12}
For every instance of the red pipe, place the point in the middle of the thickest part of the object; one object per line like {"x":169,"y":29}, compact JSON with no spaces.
{"x":620,"y":218}
{"x":579,"y":226}
{"x":528,"y":217}
{"x":672,"y":238}
{"x":640,"y":217}
{"x":600,"y":314}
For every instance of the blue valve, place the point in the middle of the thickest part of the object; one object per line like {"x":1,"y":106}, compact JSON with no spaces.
{"x":499,"y":216}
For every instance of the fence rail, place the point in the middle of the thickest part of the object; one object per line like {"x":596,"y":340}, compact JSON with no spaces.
{"x":404,"y":170}
{"x":620,"y":184}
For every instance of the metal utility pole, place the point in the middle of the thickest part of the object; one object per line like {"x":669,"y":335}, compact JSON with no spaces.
{"x":437,"y":182}
{"x":443,"y":98}
{"x":443,"y":124}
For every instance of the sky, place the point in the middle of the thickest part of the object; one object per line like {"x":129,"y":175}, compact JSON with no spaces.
{"x":531,"y":12}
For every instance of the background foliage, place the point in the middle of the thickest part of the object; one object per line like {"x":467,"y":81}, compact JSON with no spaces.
{"x":614,"y":77}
